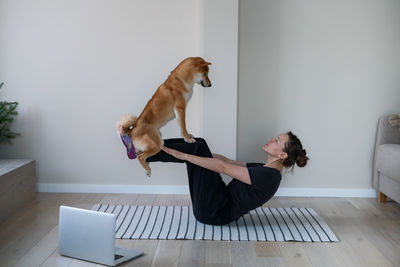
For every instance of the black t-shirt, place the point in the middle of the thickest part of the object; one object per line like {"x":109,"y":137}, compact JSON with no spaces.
{"x":264,"y":183}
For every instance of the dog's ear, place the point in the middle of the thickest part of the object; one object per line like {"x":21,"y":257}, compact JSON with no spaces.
{"x":204,"y":64}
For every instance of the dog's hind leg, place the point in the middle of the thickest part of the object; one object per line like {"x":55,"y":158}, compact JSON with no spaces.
{"x":152,"y":148}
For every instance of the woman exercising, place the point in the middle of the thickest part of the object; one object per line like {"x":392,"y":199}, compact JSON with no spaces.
{"x":213,"y":201}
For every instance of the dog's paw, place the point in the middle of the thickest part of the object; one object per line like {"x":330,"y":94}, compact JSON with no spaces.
{"x":148,"y":173}
{"x":189,"y":139}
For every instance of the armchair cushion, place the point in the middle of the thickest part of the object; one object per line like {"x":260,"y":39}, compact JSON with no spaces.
{"x":388,"y":160}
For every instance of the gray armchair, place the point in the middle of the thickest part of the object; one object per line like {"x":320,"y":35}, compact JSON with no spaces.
{"x":386,"y":172}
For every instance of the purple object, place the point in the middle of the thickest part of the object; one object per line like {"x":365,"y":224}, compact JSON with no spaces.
{"x":130,"y":148}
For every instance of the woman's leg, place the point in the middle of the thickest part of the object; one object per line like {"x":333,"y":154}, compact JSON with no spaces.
{"x":211,"y":199}
{"x":209,"y":194}
{"x":177,"y":144}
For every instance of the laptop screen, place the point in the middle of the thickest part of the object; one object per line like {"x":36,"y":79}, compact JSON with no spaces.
{"x":87,"y":234}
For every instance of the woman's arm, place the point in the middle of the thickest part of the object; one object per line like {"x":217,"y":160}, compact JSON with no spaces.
{"x":231,"y":161}
{"x":215,"y":164}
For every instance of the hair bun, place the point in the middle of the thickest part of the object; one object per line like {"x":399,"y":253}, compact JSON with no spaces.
{"x":302,"y":159}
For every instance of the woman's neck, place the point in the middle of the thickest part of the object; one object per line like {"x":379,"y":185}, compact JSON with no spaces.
{"x":275,"y":163}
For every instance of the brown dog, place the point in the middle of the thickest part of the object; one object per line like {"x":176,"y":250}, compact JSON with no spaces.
{"x":169,"y":100}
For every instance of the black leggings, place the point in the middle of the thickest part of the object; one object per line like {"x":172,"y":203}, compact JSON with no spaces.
{"x":211,"y":199}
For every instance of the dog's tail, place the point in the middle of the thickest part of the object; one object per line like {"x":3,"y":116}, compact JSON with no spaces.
{"x":126,"y":123}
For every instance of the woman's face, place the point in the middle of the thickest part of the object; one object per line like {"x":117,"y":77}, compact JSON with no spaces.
{"x":275,"y":145}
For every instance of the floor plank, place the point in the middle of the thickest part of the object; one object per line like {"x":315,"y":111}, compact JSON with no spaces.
{"x":293,"y":254}
{"x":322,"y":254}
{"x":242,"y":253}
{"x":218,"y":252}
{"x":267,"y":249}
{"x":55,"y":260}
{"x":192,"y":253}
{"x":41,"y":251}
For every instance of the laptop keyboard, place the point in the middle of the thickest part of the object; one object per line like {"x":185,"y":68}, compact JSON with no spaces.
{"x":116,"y":257}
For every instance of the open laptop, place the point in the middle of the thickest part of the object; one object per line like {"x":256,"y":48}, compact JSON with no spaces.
{"x":90,"y":235}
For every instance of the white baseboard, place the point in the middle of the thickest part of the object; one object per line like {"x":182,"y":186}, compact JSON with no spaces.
{"x":326,"y":192}
{"x":184,"y":189}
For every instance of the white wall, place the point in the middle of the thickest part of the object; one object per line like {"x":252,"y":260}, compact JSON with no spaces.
{"x":220,"y":103}
{"x":76,"y":66}
{"x":325,"y":70}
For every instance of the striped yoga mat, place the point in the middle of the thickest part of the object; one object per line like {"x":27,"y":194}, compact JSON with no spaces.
{"x":178,"y":222}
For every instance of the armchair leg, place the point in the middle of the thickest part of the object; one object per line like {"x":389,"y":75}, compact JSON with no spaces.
{"x":381,"y":197}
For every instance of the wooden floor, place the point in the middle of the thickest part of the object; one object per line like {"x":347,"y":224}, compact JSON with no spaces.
{"x":369,"y":235}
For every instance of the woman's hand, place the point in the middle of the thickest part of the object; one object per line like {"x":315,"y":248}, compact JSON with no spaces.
{"x":177,"y":154}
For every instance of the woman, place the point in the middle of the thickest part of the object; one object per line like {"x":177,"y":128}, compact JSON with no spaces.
{"x":213,"y":201}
